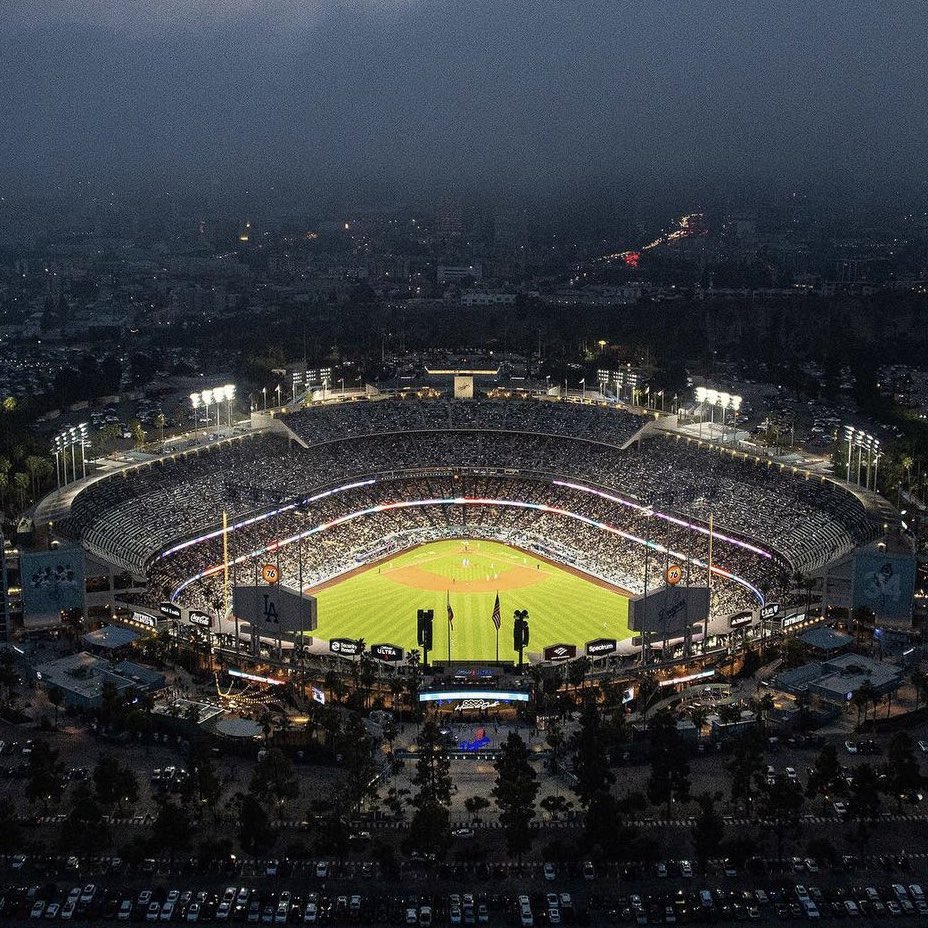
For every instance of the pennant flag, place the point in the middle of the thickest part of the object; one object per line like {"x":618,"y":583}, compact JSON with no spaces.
{"x":497,"y":619}
{"x":450,"y":613}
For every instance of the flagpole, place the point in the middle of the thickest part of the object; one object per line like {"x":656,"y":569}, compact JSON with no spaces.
{"x":450,"y":622}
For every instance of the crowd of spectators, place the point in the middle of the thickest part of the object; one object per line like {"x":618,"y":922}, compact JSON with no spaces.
{"x":316,"y":551}
{"x":128,"y":518}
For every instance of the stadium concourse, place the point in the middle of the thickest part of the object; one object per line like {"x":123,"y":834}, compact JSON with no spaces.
{"x":330,"y":487}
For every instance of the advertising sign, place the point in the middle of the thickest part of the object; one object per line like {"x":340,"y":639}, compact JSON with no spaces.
{"x":171,"y":610}
{"x":740,"y":619}
{"x":560,"y":652}
{"x":346,"y":647}
{"x":51,"y":582}
{"x":601,"y":646}
{"x":769,"y":611}
{"x":200,"y":618}
{"x":386,"y":652}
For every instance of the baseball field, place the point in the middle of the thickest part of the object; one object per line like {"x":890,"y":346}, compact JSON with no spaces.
{"x":379,"y":603}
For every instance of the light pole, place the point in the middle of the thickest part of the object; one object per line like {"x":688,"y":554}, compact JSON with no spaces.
{"x":264,"y":394}
{"x":583,"y":389}
{"x":230,"y":395}
{"x":195,"y":403}
{"x":341,"y":380}
{"x":277,"y":391}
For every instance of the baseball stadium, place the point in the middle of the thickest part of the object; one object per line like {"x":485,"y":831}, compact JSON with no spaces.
{"x":376,"y":507}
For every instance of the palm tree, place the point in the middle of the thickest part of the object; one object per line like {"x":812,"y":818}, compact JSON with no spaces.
{"x":21,"y":486}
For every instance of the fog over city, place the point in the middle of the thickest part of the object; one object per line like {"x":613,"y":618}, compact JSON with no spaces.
{"x":393,"y":97}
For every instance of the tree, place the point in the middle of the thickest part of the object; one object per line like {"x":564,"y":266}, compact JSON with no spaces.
{"x":172,"y":829}
{"x":138,"y":433}
{"x":433,"y":769}
{"x":45,"y":776}
{"x":863,"y":804}
{"x":360,"y":769}
{"x":515,"y":792}
{"x":781,"y":802}
{"x":254,"y":824}
{"x":273,"y":776}
{"x":863,"y":698}
{"x":475,"y":805}
{"x":430,"y":828}
{"x":826,"y":776}
{"x":669,"y":780}
{"x":708,"y":830}
{"x":647,"y":690}
{"x":556,"y":805}
{"x":902,"y":772}
{"x":114,"y":784}
{"x":84,"y":830}
{"x":591,"y":765}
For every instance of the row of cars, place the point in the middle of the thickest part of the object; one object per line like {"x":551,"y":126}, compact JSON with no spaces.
{"x":789,"y":903}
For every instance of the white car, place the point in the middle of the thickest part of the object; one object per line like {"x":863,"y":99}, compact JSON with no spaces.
{"x":67,"y":910}
{"x":686,"y":869}
{"x":310,"y":913}
{"x":87,"y":894}
{"x":425,"y":916}
{"x":554,"y":916}
{"x":193,"y":913}
{"x":923,"y":746}
{"x":550,"y":872}
{"x":851,"y":748}
{"x":455,"y":914}
{"x":52,"y":910}
{"x":167,"y":912}
{"x":38,"y":909}
{"x":154,"y":911}
{"x":322,"y":870}
{"x":589,"y":873}
{"x":125,"y":910}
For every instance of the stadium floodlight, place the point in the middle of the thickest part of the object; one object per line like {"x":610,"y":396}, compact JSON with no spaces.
{"x":701,"y":393}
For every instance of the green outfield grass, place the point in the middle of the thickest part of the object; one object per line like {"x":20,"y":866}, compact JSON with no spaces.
{"x":379,"y":603}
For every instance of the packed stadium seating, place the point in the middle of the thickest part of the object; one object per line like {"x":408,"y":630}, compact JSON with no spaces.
{"x":130,"y":517}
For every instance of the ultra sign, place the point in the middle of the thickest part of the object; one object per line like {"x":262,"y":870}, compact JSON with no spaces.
{"x":386,"y":652}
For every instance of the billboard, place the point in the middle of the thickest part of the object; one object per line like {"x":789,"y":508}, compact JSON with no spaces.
{"x":274,"y":611}
{"x":668,"y":610}
{"x":386,"y":652}
{"x":769,"y":611}
{"x":346,"y":647}
{"x":560,"y":652}
{"x":740,"y":619}
{"x":170,"y":610}
{"x":195,"y":617}
{"x":601,"y":646}
{"x":884,"y":583}
{"x":51,"y":581}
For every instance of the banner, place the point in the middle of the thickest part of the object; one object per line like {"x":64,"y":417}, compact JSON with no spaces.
{"x":884,"y":583}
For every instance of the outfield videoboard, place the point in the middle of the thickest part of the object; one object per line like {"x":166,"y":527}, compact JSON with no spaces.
{"x":668,"y":610}
{"x":275,"y":610}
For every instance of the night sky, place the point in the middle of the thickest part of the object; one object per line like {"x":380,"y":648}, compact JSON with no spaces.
{"x":408,"y":94}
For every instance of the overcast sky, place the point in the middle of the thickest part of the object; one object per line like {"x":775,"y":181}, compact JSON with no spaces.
{"x":467,"y":94}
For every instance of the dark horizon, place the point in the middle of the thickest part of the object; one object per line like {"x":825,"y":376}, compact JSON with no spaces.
{"x":411,"y":99}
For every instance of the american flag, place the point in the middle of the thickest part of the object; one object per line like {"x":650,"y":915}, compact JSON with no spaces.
{"x":496,"y":615}
{"x":450,"y":613}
